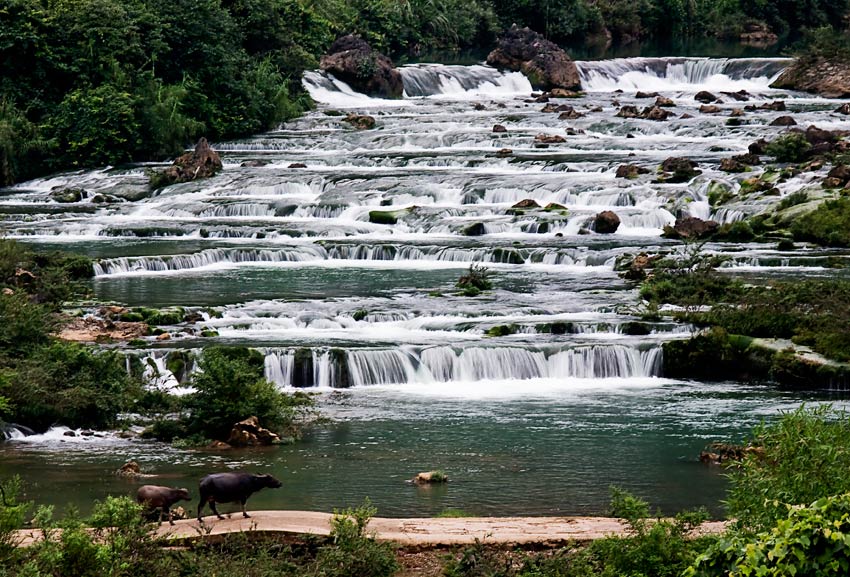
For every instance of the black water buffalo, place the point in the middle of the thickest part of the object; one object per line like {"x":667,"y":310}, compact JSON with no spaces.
{"x":158,"y":497}
{"x":232,"y":487}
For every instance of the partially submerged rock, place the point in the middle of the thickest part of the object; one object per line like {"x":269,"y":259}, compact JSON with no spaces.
{"x":630,"y":171}
{"x":360,"y":121}
{"x":68,"y":195}
{"x":430,"y":477}
{"x":705,"y":97}
{"x":827,"y":77}
{"x":606,"y":222}
{"x":353,"y":61}
{"x":545,"y":64}
{"x":690,"y":227}
{"x":677,"y":169}
{"x":203,"y":162}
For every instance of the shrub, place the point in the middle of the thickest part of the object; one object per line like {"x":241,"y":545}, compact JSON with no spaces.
{"x":790,"y":147}
{"x":811,"y":540}
{"x":805,"y":456}
{"x":230,"y":387}
{"x":475,"y":280}
{"x":828,"y":225}
{"x":353,"y":552}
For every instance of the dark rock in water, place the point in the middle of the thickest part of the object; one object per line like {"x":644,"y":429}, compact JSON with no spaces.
{"x":844,"y":108}
{"x":784,"y":121}
{"x":606,"y":222}
{"x":545,"y":64}
{"x":732,"y":165}
{"x":526,"y":203}
{"x":665,"y":102}
{"x":478,"y":106}
{"x":747,"y":159}
{"x":549,"y":139}
{"x":249,"y":433}
{"x":720,"y":453}
{"x":476,"y":229}
{"x":817,"y":135}
{"x":841,"y":173}
{"x":353,"y":61}
{"x":499,"y":128}
{"x":554,"y":206}
{"x":360,"y":121}
{"x":655,"y":113}
{"x":740,"y":96}
{"x":568,"y":113}
{"x":504,"y":152}
{"x":630,"y":171}
{"x":66,"y":195}
{"x":628,"y":111}
{"x":69,"y":434}
{"x":704,"y":96}
{"x":679,"y":169}
{"x":253,"y":163}
{"x":709,"y":109}
{"x":636,"y":329}
{"x":563,"y":93}
{"x":690,"y":227}
{"x":686,"y":116}
{"x":87,"y":433}
{"x":758,"y":147}
{"x":776,"y":106}
{"x":297,"y":165}
{"x":203,"y":162}
{"x":828,"y":77}
{"x":640,"y":94}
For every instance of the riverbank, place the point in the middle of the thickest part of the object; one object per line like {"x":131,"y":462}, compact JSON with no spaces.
{"x":412,"y":533}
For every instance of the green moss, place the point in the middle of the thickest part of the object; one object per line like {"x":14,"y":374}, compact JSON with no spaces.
{"x":828,"y":225}
{"x":383,"y":217}
{"x":360,"y":314}
{"x":502,"y":330}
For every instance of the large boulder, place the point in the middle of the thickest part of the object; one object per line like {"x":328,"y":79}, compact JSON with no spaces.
{"x":690,"y":227}
{"x":203,"y":162}
{"x":545,"y":64}
{"x":826,"y":77}
{"x":353,"y":61}
{"x":249,"y":433}
{"x":606,"y":222}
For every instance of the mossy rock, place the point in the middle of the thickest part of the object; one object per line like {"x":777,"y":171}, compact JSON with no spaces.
{"x":556,"y":328}
{"x":634,"y":328}
{"x":502,"y":330}
{"x":208,"y":333}
{"x":507,"y":255}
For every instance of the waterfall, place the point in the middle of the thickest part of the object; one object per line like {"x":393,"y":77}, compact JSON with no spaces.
{"x":439,"y":79}
{"x":441,"y":364}
{"x":687,"y":74}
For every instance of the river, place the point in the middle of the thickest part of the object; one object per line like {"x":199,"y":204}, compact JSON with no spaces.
{"x":286,"y":260}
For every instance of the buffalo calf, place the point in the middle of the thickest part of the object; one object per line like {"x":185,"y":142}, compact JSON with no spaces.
{"x":158,"y":497}
{"x":230,"y":488}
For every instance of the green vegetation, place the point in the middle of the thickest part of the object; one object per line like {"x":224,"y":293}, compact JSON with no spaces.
{"x":474,"y":281}
{"x":790,"y":147}
{"x":828,"y":225}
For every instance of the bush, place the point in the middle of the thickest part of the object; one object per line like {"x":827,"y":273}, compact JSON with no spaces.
{"x":811,"y":540}
{"x":475,"y":280}
{"x":828,"y":225}
{"x":354,"y":553}
{"x":791,"y":147}
{"x":804,"y":457}
{"x":230,"y":387}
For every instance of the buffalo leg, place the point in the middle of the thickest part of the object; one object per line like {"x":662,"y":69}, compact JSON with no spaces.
{"x":167,"y":509}
{"x":214,"y":510}
{"x":201,"y":507}
{"x":244,"y":512}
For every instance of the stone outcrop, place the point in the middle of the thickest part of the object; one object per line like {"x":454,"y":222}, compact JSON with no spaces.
{"x":677,"y":169}
{"x":543,"y":62}
{"x":430,"y":478}
{"x":630,"y":171}
{"x":94,"y":330}
{"x":360,"y":121}
{"x":690,"y":227}
{"x":352,"y":60}
{"x":829,"y":78}
{"x":249,"y":433}
{"x":203,"y":162}
{"x":606,"y":222}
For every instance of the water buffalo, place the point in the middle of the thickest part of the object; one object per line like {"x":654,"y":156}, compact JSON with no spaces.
{"x":232,"y":487}
{"x":158,"y":497}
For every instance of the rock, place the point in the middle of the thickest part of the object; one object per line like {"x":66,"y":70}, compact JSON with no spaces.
{"x":360,"y":121}
{"x":550,"y":108}
{"x":776,"y":106}
{"x":709,"y":109}
{"x":628,"y":111}
{"x":70,"y":434}
{"x":630,"y":171}
{"x":90,"y":329}
{"x":732,"y":165}
{"x":655,"y":113}
{"x":679,"y":169}
{"x":297,"y":165}
{"x":637,"y":267}
{"x":704,"y":96}
{"x":203,"y":162}
{"x":640,"y":94}
{"x":606,"y":222}
{"x":784,"y":121}
{"x":664,"y":101}
{"x":499,"y":128}
{"x":568,"y":113}
{"x":740,"y":96}
{"x":563,"y":93}
{"x":504,"y":152}
{"x":549,"y":139}
{"x":690,"y":227}
{"x":67,"y":195}
{"x":686,"y":116}
{"x":430,"y":477}
{"x":758,"y":35}
{"x":218,"y":445}
{"x":526,"y":203}
{"x":758,"y":147}
{"x":719,"y":453}
{"x":554,"y":206}
{"x":747,"y":159}
{"x":545,"y":64}
{"x":8,"y":292}
{"x":478,"y":106}
{"x":253,"y":163}
{"x":353,"y":61}
{"x":844,"y":108}
{"x":817,"y":135}
{"x":736,"y":113}
{"x":249,"y":433}
{"x":830,"y":182}
{"x":130,"y":469}
{"x":164,"y":337}
{"x":827,"y":77}
{"x":87,"y":433}
{"x":840,"y":173}
{"x":476,"y":229}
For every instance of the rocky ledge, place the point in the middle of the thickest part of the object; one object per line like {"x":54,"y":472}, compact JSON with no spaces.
{"x":828,"y":78}
{"x":353,"y":61}
{"x":545,"y":64}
